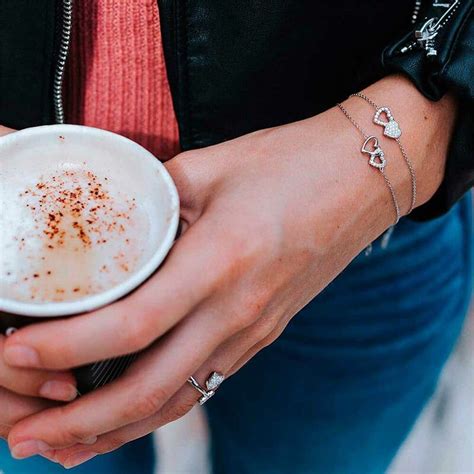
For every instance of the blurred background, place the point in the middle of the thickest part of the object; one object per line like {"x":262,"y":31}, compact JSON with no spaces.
{"x":442,"y":441}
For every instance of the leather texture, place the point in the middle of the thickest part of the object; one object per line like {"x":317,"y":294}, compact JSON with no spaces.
{"x":239,"y":66}
{"x":27,"y":53}
{"x":451,"y":70}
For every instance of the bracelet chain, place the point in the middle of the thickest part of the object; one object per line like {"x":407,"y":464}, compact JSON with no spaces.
{"x":402,"y":151}
{"x":387,"y":180}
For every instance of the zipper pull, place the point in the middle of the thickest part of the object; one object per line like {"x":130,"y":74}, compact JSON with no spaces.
{"x":425,"y":36}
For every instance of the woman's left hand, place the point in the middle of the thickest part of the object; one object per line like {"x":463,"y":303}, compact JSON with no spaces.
{"x":270,"y":219}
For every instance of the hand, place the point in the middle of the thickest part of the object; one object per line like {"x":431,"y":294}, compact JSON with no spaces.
{"x":32,"y":382}
{"x":270,"y":219}
{"x":18,"y":386}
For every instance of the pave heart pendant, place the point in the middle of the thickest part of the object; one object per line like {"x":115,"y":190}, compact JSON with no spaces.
{"x":377,"y":156}
{"x":391,"y":128}
{"x":214,"y":380}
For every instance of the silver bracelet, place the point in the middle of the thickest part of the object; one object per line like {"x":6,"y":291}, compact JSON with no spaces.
{"x":377,"y":158}
{"x":392,"y":130}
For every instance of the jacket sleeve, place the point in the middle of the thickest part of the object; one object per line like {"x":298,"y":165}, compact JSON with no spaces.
{"x":438,"y":56}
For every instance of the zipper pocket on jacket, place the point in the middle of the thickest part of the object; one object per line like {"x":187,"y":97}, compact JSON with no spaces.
{"x":64,"y":43}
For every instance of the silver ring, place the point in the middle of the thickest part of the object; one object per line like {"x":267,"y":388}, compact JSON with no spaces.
{"x":212,"y":384}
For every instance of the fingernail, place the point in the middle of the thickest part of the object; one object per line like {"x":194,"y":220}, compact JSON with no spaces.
{"x":79,"y":458}
{"x":90,"y":440}
{"x":21,"y":356}
{"x":55,"y":390}
{"x":29,"y":448}
{"x":50,"y":456}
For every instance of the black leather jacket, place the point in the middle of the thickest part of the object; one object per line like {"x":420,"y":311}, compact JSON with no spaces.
{"x":240,"y":65}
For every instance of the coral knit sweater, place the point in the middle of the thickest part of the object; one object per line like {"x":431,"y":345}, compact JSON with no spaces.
{"x":116,"y":78}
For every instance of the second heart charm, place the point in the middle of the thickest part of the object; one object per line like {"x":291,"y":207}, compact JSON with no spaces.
{"x":377,"y":156}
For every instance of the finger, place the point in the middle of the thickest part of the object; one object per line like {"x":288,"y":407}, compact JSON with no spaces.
{"x":14,"y":409}
{"x":223,"y":358}
{"x":141,"y":392}
{"x":59,"y":386}
{"x":17,"y":407}
{"x":126,"y":326}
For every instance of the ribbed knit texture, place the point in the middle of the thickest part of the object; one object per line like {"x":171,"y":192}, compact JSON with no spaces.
{"x":116,"y":78}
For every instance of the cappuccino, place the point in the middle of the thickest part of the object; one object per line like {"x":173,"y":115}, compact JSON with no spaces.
{"x":86,"y":216}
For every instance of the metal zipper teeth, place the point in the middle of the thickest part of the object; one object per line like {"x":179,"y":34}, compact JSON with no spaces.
{"x":66,"y":27}
{"x":414,"y":44}
{"x":416,"y":11}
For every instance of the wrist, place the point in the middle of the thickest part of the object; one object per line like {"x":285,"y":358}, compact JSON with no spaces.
{"x":415,"y":164}
{"x":426,"y":130}
{"x":353,"y":199}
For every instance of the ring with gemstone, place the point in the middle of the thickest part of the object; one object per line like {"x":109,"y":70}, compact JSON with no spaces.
{"x":212,"y":384}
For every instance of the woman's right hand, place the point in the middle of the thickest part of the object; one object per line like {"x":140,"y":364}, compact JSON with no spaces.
{"x":22,"y":391}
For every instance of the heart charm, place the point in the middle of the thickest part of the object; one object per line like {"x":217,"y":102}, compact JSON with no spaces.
{"x":378,"y":160}
{"x":214,"y":381}
{"x":391,"y":128}
{"x":377,"y":156}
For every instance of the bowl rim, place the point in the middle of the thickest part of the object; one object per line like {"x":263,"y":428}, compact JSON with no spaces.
{"x":93,"y":302}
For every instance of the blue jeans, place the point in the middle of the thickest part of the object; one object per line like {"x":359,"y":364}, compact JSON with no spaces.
{"x":339,"y":391}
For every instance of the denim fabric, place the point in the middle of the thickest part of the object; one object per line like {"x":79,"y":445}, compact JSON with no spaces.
{"x":339,"y":391}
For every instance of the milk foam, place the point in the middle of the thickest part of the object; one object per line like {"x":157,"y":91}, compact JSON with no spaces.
{"x":67,"y":235}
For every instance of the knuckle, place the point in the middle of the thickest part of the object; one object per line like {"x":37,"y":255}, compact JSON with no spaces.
{"x":271,"y":336}
{"x":68,"y":357}
{"x":263,"y":328}
{"x":137,"y":332}
{"x":246,"y":318}
{"x":149,"y":402}
{"x":243,"y":249}
{"x":234,"y":254}
{"x":73,"y":434}
{"x":253,"y":306}
{"x":237,"y":320}
{"x":113,"y":443}
{"x":257,"y":305}
{"x":174,"y":411}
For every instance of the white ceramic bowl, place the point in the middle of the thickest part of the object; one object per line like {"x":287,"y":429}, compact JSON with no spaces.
{"x":55,"y":147}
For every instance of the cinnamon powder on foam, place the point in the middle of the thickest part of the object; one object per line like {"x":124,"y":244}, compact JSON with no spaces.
{"x":84,"y":238}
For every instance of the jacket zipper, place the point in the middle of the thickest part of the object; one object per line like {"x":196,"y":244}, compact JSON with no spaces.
{"x":425,"y":37}
{"x":64,"y":43}
{"x":416,"y":11}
